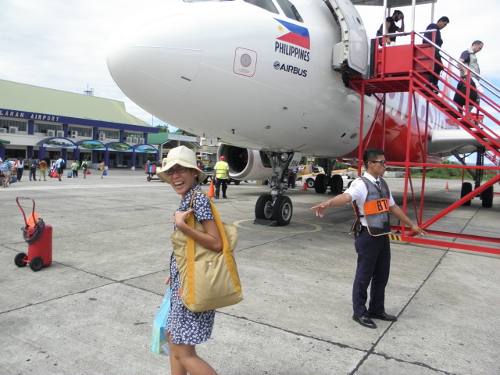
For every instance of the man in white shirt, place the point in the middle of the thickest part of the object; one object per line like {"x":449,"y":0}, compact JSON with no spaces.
{"x":374,"y":201}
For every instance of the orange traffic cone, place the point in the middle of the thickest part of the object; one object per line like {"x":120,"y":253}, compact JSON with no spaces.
{"x":447,"y":187}
{"x":211,"y":191}
{"x":304,"y":187}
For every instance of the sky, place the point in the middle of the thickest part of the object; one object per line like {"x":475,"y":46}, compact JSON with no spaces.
{"x":62,"y":44}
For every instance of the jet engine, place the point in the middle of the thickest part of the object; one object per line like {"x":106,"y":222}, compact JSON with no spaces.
{"x":245,"y":164}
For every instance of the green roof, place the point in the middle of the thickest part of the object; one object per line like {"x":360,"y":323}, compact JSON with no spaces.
{"x":160,"y":138}
{"x":22,"y":97}
{"x":157,"y":139}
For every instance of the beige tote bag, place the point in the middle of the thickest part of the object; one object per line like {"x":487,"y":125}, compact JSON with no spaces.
{"x":209,"y":279}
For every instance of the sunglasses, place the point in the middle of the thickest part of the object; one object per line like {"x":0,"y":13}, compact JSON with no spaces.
{"x":180,"y":170}
{"x":382,"y":162}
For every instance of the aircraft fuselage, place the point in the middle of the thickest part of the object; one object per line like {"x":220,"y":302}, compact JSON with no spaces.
{"x":252,"y":78}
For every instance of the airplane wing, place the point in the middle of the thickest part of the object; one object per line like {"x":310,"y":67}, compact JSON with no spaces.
{"x":444,"y":141}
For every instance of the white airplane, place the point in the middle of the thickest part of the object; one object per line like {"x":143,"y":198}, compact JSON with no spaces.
{"x":266,"y":78}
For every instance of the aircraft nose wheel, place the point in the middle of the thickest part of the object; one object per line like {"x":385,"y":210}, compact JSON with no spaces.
{"x":283,"y":210}
{"x":264,"y":207}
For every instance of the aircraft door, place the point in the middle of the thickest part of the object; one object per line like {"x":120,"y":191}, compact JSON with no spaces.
{"x":354,"y":46}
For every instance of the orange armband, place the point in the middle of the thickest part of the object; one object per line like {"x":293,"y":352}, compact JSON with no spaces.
{"x":376,"y":207}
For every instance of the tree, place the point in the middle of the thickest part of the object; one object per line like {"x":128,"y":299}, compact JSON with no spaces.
{"x":163,"y":128}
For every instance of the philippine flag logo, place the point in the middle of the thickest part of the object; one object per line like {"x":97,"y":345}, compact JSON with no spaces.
{"x":293,"y":34}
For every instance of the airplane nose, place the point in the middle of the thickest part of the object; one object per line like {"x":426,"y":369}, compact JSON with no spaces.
{"x":155,"y":56}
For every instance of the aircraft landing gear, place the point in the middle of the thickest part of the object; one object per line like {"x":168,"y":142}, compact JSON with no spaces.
{"x":322,"y":181}
{"x":487,"y":195}
{"x":276,"y":206}
{"x":336,"y":184}
{"x":264,"y":207}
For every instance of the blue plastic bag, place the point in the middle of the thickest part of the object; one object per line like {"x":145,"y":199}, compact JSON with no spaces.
{"x":159,"y":344}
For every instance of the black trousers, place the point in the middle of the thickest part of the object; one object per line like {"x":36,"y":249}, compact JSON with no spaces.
{"x":434,"y":80}
{"x":374,"y":263}
{"x":218,"y":183}
{"x":460,"y":96}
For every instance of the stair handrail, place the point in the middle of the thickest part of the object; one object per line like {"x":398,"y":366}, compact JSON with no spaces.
{"x":485,"y":99}
{"x":494,"y":90}
{"x":476,"y":128}
{"x":472,"y":121}
{"x":485,"y":84}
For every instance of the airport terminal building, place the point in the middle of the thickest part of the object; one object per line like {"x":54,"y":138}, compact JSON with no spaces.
{"x":37,"y":122}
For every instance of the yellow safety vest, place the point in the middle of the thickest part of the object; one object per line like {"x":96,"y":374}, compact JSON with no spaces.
{"x":221,"y":169}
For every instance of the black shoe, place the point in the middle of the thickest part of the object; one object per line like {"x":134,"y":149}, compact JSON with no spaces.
{"x":216,"y":197}
{"x":224,"y":196}
{"x":364,"y":321}
{"x":383,"y":316}
{"x":432,"y":88}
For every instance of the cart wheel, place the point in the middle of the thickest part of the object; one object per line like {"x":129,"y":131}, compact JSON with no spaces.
{"x":36,"y":264}
{"x":19,"y":260}
{"x":148,"y":178}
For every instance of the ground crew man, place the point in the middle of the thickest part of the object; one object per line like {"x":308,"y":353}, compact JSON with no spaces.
{"x":374,"y":201}
{"x":221,"y":171}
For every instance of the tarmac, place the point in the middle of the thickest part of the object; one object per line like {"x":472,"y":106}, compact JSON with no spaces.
{"x":91,"y":311}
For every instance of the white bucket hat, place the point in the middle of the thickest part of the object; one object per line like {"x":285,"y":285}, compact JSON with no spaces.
{"x":183,"y":156}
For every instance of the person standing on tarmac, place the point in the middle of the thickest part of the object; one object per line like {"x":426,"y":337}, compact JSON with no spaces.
{"x":221,"y":171}
{"x":371,"y":196}
{"x":74,"y":168}
{"x":43,"y":170}
{"x":85,"y":167}
{"x":60,"y":164}
{"x":20,"y":168}
{"x":5,"y":167}
{"x":102,"y":168}
{"x":33,"y":166}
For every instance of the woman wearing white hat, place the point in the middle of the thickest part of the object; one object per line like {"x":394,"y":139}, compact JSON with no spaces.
{"x":185,"y":328}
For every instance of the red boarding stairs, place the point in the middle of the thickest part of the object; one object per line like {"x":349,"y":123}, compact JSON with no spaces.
{"x":406,"y":68}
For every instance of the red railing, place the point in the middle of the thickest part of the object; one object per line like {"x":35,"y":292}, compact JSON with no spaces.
{"x":406,"y":68}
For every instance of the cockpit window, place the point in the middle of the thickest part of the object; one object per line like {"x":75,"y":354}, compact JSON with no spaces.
{"x":290,"y":10}
{"x":264,"y":4}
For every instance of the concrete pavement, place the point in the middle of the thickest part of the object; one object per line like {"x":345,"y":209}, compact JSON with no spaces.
{"x":91,"y":311}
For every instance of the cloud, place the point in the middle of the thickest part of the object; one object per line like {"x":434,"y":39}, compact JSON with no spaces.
{"x":62,"y":44}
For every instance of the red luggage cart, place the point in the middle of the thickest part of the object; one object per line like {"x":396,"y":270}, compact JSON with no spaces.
{"x":38,"y":235}
{"x":150,"y":170}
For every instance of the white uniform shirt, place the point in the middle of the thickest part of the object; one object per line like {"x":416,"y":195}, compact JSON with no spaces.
{"x":358,"y":192}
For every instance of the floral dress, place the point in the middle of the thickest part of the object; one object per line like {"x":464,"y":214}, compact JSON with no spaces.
{"x":187,"y":327}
